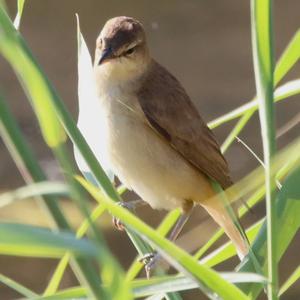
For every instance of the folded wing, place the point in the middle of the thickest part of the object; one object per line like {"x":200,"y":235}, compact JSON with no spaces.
{"x":172,"y":114}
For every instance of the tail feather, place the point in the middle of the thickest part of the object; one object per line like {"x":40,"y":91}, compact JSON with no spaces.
{"x":217,"y":210}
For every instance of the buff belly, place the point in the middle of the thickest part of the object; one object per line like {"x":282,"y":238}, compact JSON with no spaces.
{"x":148,"y":165}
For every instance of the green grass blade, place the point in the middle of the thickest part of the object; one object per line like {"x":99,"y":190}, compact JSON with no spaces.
{"x":86,"y":90}
{"x":62,"y":265}
{"x":207,"y":278}
{"x":236,"y":130}
{"x":81,"y":231}
{"x":24,"y":291}
{"x":284,"y":162}
{"x":43,"y":98}
{"x":111,"y":273}
{"x":288,"y":58}
{"x":70,"y":293}
{"x":57,"y":276}
{"x":13,"y":50}
{"x":289,"y":89}
{"x":168,"y":222}
{"x":262,"y":45}
{"x":173,"y":296}
{"x":177,"y":283}
{"x":89,"y":106}
{"x":287,"y":210}
{"x":228,"y":250}
{"x":163,"y":229}
{"x":31,"y":171}
{"x":33,"y":190}
{"x":26,"y":161}
{"x":284,"y":91}
{"x":160,"y":285}
{"x":11,"y":43}
{"x":290,"y":281}
{"x":26,"y":240}
{"x":17,"y":21}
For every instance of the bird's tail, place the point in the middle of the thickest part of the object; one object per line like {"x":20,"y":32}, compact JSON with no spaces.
{"x":222,"y":216}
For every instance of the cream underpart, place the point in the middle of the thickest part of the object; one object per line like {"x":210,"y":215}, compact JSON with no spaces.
{"x":143,"y":160}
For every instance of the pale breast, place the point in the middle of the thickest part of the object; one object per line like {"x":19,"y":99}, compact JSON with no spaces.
{"x":145,"y":162}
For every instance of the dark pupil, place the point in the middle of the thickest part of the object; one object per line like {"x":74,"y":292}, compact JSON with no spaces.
{"x":130,"y":51}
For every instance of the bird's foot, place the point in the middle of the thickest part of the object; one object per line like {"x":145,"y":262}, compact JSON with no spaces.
{"x":131,"y":206}
{"x":150,"y":260}
{"x":116,"y":221}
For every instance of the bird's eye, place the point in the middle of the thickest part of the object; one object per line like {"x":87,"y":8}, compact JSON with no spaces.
{"x":130,"y":51}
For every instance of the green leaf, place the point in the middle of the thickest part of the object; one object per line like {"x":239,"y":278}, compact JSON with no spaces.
{"x":87,"y":92}
{"x":288,"y":58}
{"x":285,"y":161}
{"x":165,"y":226}
{"x":71,"y":293}
{"x":15,"y":51}
{"x":11,"y":45}
{"x":61,"y":267}
{"x":166,"y":284}
{"x":159,"y":285}
{"x":49,"y":110}
{"x":33,"y":190}
{"x":291,"y":188}
{"x":290,"y":281}
{"x":262,"y":49}
{"x":228,"y":250}
{"x":17,"y":20}
{"x":31,"y":171}
{"x":284,"y":91}
{"x":287,"y":213}
{"x":111,"y":273}
{"x":163,"y":229}
{"x":26,"y":240}
{"x":24,"y":291}
{"x":89,"y":108}
{"x":56,"y":278}
{"x":208,"y":279}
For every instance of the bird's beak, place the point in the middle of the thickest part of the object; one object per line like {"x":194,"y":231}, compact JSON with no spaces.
{"x":105,"y":55}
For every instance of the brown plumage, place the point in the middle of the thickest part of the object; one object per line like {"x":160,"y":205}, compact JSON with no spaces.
{"x":157,"y":143}
{"x":173,"y":115}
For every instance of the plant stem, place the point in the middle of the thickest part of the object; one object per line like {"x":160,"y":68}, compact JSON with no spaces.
{"x":31,"y":172}
{"x":262,"y":43}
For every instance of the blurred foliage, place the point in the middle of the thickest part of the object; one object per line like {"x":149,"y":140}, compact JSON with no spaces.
{"x":108,"y":280}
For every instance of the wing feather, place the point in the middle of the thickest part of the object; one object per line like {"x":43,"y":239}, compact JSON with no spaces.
{"x":173,"y":115}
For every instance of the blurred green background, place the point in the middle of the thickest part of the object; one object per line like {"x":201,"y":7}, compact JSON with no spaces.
{"x":206,"y":44}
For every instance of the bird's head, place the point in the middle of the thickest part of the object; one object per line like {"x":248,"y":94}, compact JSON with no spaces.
{"x":121,"y":49}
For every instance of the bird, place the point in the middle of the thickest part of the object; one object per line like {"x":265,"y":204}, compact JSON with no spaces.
{"x":154,"y":138}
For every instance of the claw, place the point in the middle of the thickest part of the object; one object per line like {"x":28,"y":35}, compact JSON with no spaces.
{"x":149,"y":268}
{"x":117,"y":222}
{"x":146,"y":258}
{"x":150,"y":261}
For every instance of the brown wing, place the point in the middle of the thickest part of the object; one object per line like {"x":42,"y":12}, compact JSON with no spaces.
{"x":170,"y":111}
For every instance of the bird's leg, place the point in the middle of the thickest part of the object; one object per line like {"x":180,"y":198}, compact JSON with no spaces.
{"x":130,"y":205}
{"x":150,"y":260}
